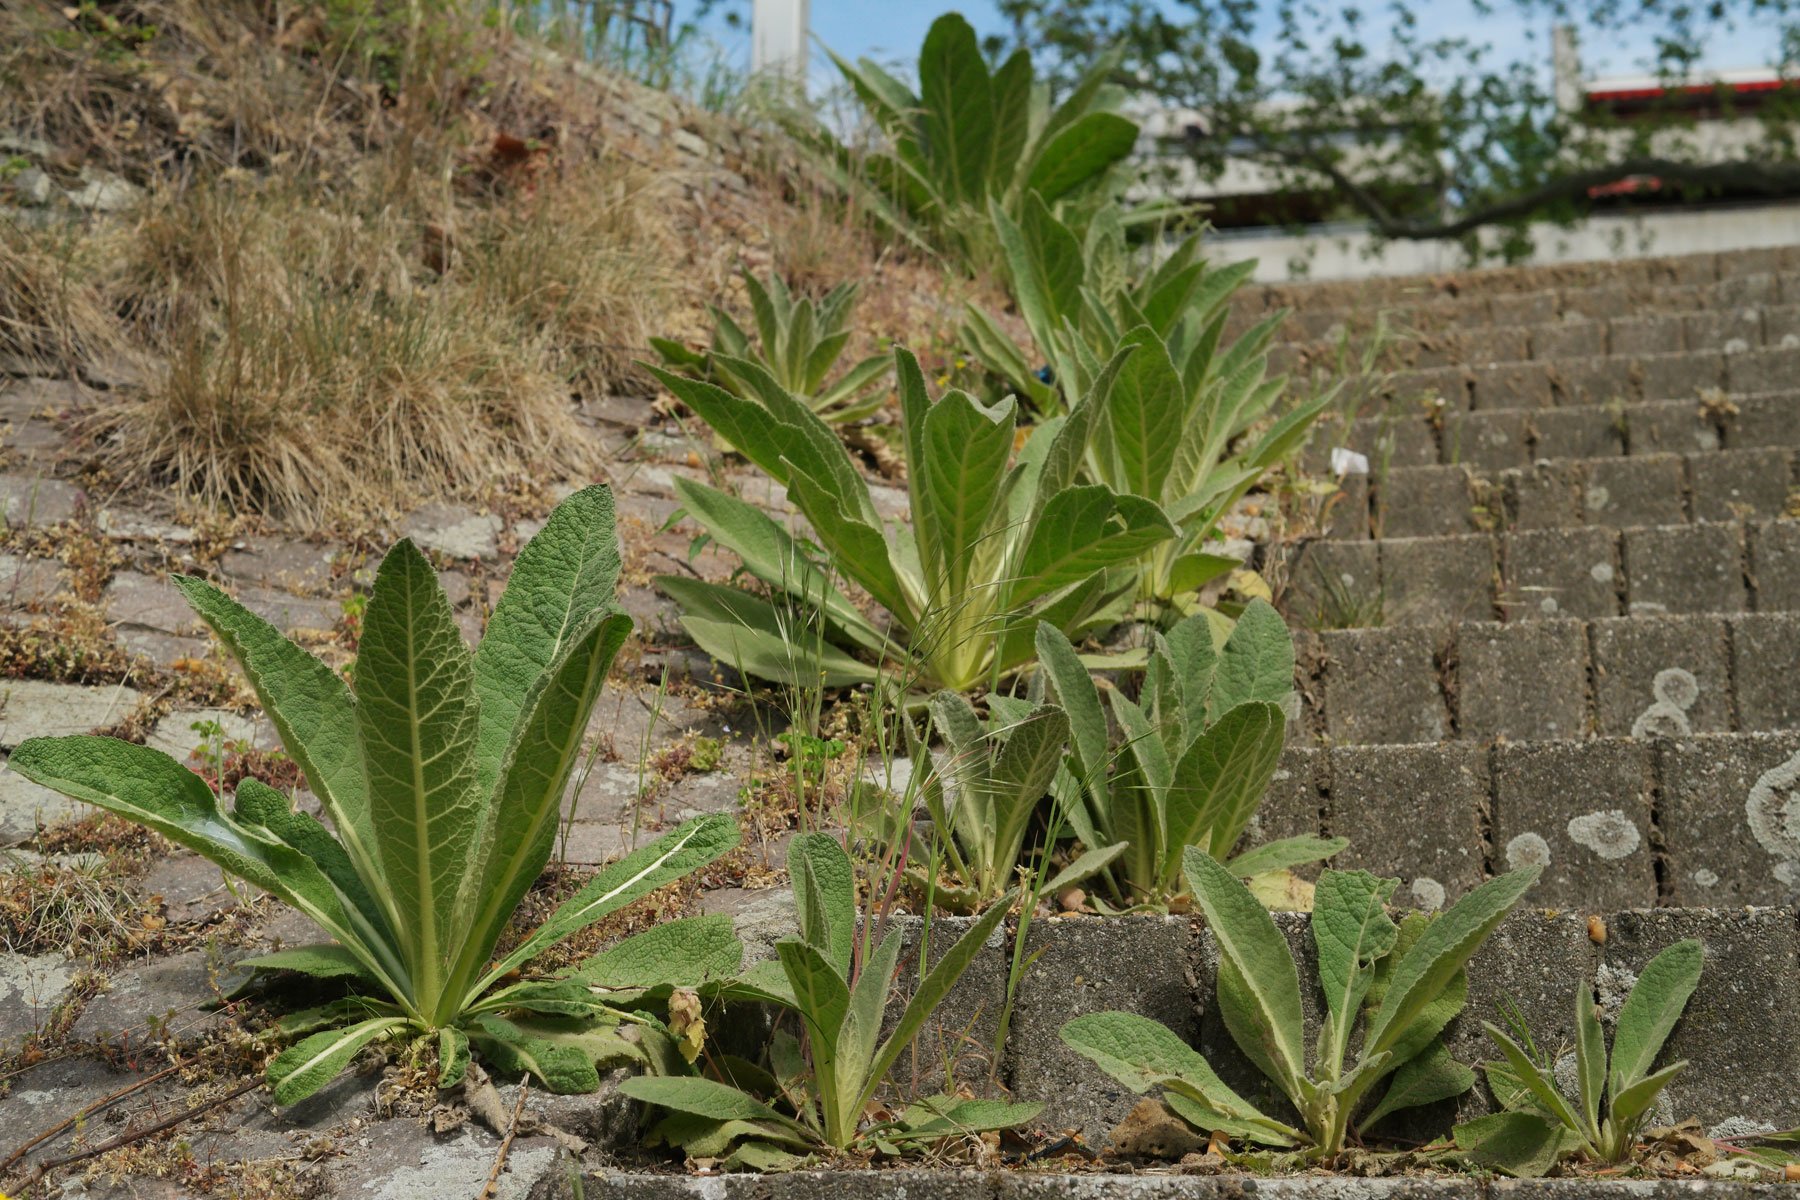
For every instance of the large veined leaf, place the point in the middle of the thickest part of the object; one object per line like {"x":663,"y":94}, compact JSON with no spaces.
{"x":965,"y":448}
{"x":563,"y":1069}
{"x":1515,"y":1143}
{"x":1651,"y":1010}
{"x":1440,"y":954}
{"x":1424,"y":1079}
{"x":701,"y":1097}
{"x":311,"y":708}
{"x":1143,"y":1054}
{"x":1256,"y":662}
{"x":313,"y":1062}
{"x":825,"y":893}
{"x":1351,"y":931}
{"x":685,"y":952}
{"x":1220,"y":779}
{"x":149,"y":787}
{"x":1081,"y":151}
{"x":752,"y":636}
{"x":1140,"y":426}
{"x":1081,"y":531}
{"x":681,"y":851}
{"x":418,"y":719}
{"x":957,"y":107}
{"x":1248,"y":939}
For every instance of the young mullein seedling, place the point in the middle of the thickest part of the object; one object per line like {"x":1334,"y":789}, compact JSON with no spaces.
{"x":1402,"y":983}
{"x":1199,"y":748}
{"x":815,"y":1094}
{"x":1540,"y":1125}
{"x":798,"y":342}
{"x":993,"y":781}
{"x":442,"y":777}
{"x":1000,"y":536}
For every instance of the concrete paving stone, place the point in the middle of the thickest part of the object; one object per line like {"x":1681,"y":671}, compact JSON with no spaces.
{"x":1345,"y":514}
{"x":280,"y":562}
{"x":1568,"y":339}
{"x":1521,"y":681}
{"x":1775,"y":565}
{"x":1497,"y":343}
{"x":1718,"y":328}
{"x":1533,"y":960}
{"x":1546,"y":495}
{"x":1332,"y":584}
{"x":1780,"y":322}
{"x":1669,"y":427}
{"x":1523,"y":308}
{"x":133,"y":600}
{"x":176,"y":736}
{"x":1593,"y":382}
{"x":1381,"y":686}
{"x":30,"y":582}
{"x":28,"y":501}
{"x":1431,"y":581}
{"x":1640,"y":490}
{"x":962,"y":1029}
{"x":1742,"y":1066}
{"x":1512,"y":385}
{"x":31,"y":986}
{"x":26,"y":807}
{"x":290,"y":613}
{"x":1679,"y":376}
{"x":1144,"y":965}
{"x":129,"y":526}
{"x":1291,"y":806}
{"x":1762,"y":370}
{"x":1577,"y":433}
{"x":162,"y":999}
{"x":1729,"y":814}
{"x":1424,"y":501}
{"x":454,"y":531}
{"x":1632,"y":1189}
{"x":1661,"y":676}
{"x":1560,"y":573}
{"x":1734,"y":485}
{"x":1658,"y":333}
{"x":49,"y":1092}
{"x":1414,"y":812}
{"x":1599,"y":302}
{"x":1685,"y":568}
{"x":1761,"y":287}
{"x":33,"y":708}
{"x":1772,"y":420}
{"x":1583,"y":810}
{"x":1399,"y":439}
{"x":1449,"y":384}
{"x":1765,"y":670}
{"x":1489,"y":439}
{"x":193,"y":890}
{"x":403,"y":1160}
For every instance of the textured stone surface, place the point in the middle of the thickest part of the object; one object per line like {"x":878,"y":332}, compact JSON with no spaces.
{"x":454,"y":532}
{"x":167,"y":998}
{"x":1765,"y":670}
{"x":1561,"y":573}
{"x":402,"y":1160}
{"x":1431,"y":581}
{"x":1583,"y":811}
{"x":1631,"y":655}
{"x":1685,"y":569}
{"x":1396,"y":664}
{"x":1644,"y":490}
{"x":1140,"y":964}
{"x":31,"y":986}
{"x":1731,"y":841}
{"x":1423,"y":502}
{"x":1745,"y":996}
{"x":1737,"y":485}
{"x":1775,"y":565}
{"x":1414,"y":812}
{"x":30,"y":500}
{"x":26,"y":806}
{"x":1524,"y":680}
{"x":32,"y":708}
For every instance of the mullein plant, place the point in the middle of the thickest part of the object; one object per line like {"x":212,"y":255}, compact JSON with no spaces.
{"x":797,"y":342}
{"x":440,"y":778}
{"x":1195,"y":753}
{"x":816,"y":1093}
{"x":1001,"y":536}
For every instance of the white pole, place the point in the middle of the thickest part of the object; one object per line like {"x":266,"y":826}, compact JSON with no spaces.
{"x":778,"y":31}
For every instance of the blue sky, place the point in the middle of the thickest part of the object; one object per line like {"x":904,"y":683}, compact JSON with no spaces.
{"x":891,"y":30}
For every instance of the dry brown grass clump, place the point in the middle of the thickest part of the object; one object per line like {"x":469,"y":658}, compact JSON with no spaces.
{"x":53,"y":312}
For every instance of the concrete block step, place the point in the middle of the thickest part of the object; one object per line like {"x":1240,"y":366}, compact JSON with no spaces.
{"x":1562,"y":679}
{"x":1524,"y":574}
{"x":1725,"y":328}
{"x":1593,"y":380}
{"x":1138,"y":1182}
{"x":1416,"y":435}
{"x":1612,"y":493}
{"x":1165,"y":968}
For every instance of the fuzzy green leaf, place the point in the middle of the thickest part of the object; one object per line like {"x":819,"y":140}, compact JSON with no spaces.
{"x":313,"y":1062}
{"x":685,"y":952}
{"x":1650,"y":1012}
{"x":823,"y":870}
{"x":1520,"y":1144}
{"x":1425,"y":1079}
{"x":1256,"y":663}
{"x":1351,"y":931}
{"x":453,"y":1056}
